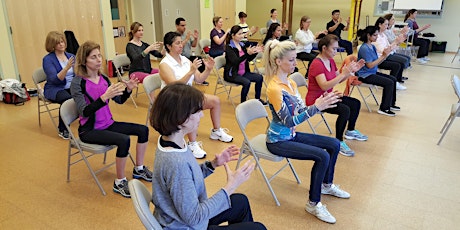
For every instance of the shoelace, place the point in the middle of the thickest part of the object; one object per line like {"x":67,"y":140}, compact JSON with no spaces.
{"x":324,"y":210}
{"x":225,"y":130}
{"x":199,"y":143}
{"x":345,"y":146}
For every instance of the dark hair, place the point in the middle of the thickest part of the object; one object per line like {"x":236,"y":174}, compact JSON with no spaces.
{"x":215,"y":20}
{"x":335,"y":11}
{"x":242,"y":15}
{"x":270,"y":31}
{"x":379,"y":21}
{"x":272,"y":10}
{"x":166,"y":118}
{"x":388,"y":16}
{"x":80,"y":58}
{"x":178,"y":20}
{"x":369,"y":30}
{"x":133,"y":29}
{"x":234,"y":30}
{"x":412,"y":11}
{"x":169,"y":38}
{"x":326,"y":41}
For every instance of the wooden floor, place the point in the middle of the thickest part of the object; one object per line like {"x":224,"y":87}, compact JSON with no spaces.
{"x":399,"y":178}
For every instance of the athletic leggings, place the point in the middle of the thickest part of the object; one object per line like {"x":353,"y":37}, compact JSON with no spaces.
{"x":117,"y":134}
{"x":348,"y":111}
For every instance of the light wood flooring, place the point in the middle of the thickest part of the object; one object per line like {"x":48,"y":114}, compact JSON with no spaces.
{"x":399,"y":178}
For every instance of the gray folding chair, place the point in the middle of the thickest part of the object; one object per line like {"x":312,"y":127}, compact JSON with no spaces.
{"x":256,"y":147}
{"x":300,"y":81}
{"x":455,"y":109}
{"x":221,"y":84}
{"x":142,"y":199}
{"x":69,"y":114}
{"x":151,"y":83}
{"x":119,"y":61}
{"x":263,"y":31}
{"x":44,"y":105}
{"x":365,"y":97}
{"x":458,"y":50}
{"x":204,"y":42}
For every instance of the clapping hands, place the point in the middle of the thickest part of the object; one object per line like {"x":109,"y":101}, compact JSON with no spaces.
{"x":327,"y":100}
{"x":255,"y":49}
{"x":353,"y":67}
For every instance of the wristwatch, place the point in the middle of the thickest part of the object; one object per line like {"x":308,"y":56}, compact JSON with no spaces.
{"x":209,"y":165}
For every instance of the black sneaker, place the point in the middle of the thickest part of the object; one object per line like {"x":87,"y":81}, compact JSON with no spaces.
{"x":395,"y":108}
{"x":405,"y":78}
{"x":263,"y":102}
{"x":144,"y":174}
{"x":205,"y":83}
{"x":64,"y":134}
{"x":386,"y":112}
{"x":122,"y":188}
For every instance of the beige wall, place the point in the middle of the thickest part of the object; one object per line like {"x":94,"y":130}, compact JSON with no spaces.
{"x":8,"y":67}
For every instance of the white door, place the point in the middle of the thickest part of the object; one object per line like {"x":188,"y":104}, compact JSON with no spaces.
{"x":142,"y":11}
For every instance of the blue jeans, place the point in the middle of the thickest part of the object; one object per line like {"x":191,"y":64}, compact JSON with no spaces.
{"x":321,"y":149}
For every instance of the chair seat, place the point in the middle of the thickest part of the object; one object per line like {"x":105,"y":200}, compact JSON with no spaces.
{"x":259,"y":145}
{"x":93,"y":148}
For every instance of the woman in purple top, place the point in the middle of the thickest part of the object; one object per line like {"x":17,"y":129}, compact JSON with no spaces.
{"x":421,"y":42}
{"x":92,"y":91}
{"x":218,"y":37}
{"x":237,"y":60}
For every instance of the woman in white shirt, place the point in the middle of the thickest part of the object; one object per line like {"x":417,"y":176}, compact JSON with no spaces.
{"x":304,"y":40}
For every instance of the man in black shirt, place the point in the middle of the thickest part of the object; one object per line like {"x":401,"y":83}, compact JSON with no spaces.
{"x":335,"y":26}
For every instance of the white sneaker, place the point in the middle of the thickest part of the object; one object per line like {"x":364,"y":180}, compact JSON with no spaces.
{"x":421,"y":61}
{"x":399,"y":86}
{"x":197,"y":149}
{"x":426,"y":58}
{"x":321,"y":212}
{"x":221,"y":135}
{"x":334,"y":190}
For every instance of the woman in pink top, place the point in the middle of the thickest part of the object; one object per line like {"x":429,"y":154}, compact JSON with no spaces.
{"x":322,"y":78}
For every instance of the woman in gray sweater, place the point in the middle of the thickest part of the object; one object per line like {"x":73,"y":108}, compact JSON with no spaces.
{"x":178,"y":188}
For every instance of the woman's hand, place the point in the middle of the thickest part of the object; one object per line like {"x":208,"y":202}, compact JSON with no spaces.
{"x":353,"y":67}
{"x":195,"y":65}
{"x":113,"y":91}
{"x":70,"y":63}
{"x":225,"y":156}
{"x":386,"y":51}
{"x":326,"y":101}
{"x":235,"y":179}
{"x":209,"y":63}
{"x":154,"y":46}
{"x":131,"y":83}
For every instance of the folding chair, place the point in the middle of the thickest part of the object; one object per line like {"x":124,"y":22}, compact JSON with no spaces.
{"x":458,"y":50}
{"x":69,"y":114}
{"x":119,"y":61}
{"x":358,"y":85}
{"x":259,"y":70}
{"x":204,"y":43}
{"x":455,"y":109}
{"x":256,"y":147}
{"x":142,"y":199}
{"x":44,"y":105}
{"x":221,"y":84}
{"x":151,"y":83}
{"x":300,"y":81}
{"x":263,"y":31}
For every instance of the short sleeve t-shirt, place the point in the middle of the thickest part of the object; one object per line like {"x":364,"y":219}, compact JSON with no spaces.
{"x":316,"y":68}
{"x":369,"y":54}
{"x":214,"y":45}
{"x":337,"y":30}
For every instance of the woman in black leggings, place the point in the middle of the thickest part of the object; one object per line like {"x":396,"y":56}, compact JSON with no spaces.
{"x":422,"y":43}
{"x":322,"y":78}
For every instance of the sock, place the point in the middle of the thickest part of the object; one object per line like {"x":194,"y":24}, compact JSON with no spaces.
{"x":118,"y":181}
{"x":215,"y":130}
{"x":327,"y":185}
{"x":312,"y":203}
{"x":139,"y":168}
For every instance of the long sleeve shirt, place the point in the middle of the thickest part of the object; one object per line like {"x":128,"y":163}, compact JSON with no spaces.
{"x":304,"y":40}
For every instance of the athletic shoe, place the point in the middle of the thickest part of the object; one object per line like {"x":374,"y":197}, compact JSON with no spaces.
{"x":345,"y":150}
{"x":221,"y":135}
{"x":334,"y":190}
{"x":399,"y":86}
{"x":64,"y":134}
{"x":144,"y":173}
{"x":386,"y":112}
{"x":263,"y":102}
{"x":321,"y":212}
{"x":122,"y":188}
{"x":355,"y":135}
{"x":421,"y":61}
{"x":197,"y":149}
{"x":426,"y":58}
{"x":205,"y":83}
{"x":405,"y":78}
{"x":395,"y":108}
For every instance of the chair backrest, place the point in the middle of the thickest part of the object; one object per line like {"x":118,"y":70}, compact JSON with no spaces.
{"x":39,"y":76}
{"x":456,"y":85}
{"x":151,"y":83}
{"x":69,"y":112}
{"x":204,"y":42}
{"x":248,"y":111}
{"x":263,"y":30}
{"x":219,"y":62}
{"x":121,"y":60}
{"x":142,"y":198}
{"x":299,"y":79}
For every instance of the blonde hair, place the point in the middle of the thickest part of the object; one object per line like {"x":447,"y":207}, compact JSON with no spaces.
{"x":80,"y":59}
{"x":275,"y":49}
{"x":52,"y":39}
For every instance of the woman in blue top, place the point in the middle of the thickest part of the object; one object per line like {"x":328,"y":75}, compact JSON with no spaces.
{"x":368,"y":74}
{"x":58,"y":67}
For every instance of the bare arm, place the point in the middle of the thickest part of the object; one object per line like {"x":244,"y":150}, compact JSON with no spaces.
{"x":167,"y":74}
